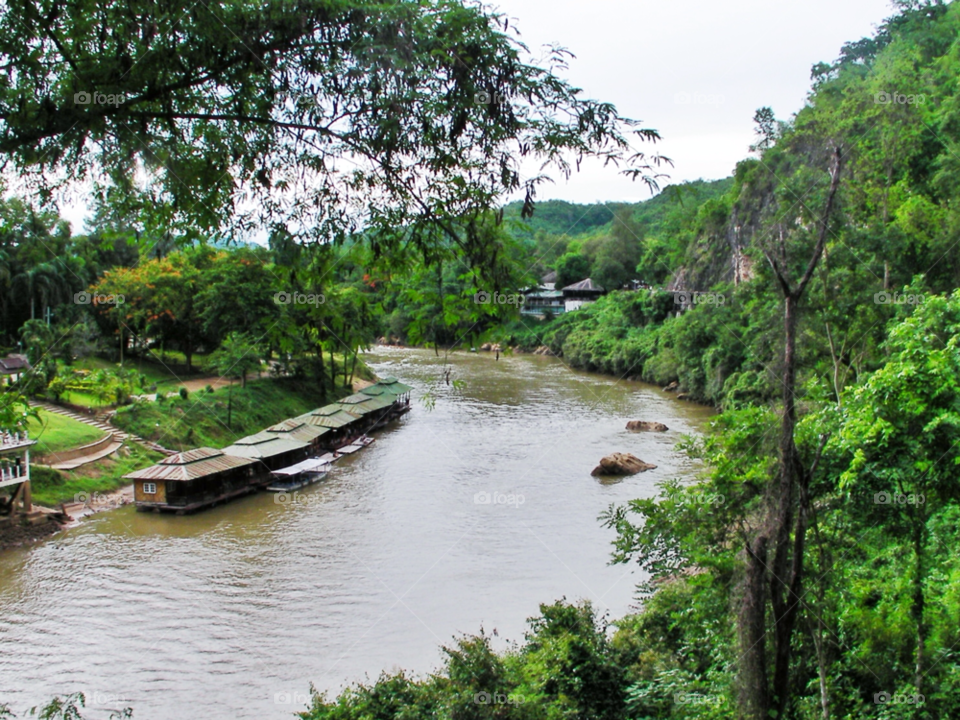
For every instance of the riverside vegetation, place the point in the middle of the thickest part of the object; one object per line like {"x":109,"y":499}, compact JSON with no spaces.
{"x":810,"y":572}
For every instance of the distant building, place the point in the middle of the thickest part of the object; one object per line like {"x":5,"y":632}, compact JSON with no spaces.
{"x":579,"y":294}
{"x":12,"y":367}
{"x":544,"y":299}
{"x":542,"y":303}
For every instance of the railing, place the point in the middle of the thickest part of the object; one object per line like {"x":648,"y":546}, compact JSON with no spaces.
{"x":12,"y":472}
{"x":9,"y":440}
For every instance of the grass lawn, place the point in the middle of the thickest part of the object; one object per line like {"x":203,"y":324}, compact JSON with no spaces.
{"x":75,"y":397}
{"x":55,"y":433}
{"x":51,"y":487}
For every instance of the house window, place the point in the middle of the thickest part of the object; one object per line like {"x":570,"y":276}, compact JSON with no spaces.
{"x":149,"y":488}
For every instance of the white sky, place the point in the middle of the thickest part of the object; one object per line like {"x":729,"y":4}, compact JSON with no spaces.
{"x":695,"y":70}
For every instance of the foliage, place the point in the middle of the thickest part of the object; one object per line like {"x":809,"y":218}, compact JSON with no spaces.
{"x":564,"y":670}
{"x":435,"y":104}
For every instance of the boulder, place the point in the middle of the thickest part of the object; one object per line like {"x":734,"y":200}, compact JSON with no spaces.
{"x":646,"y":425}
{"x":487,"y":347}
{"x":671,"y":387}
{"x":621,"y":464}
{"x":683,"y":396}
{"x":543,"y":350}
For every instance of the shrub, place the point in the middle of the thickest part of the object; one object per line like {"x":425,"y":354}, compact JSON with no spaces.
{"x":184,"y":393}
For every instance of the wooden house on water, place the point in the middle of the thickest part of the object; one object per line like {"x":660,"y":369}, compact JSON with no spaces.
{"x":293,"y":429}
{"x":341,"y":423}
{"x":389,"y":395}
{"x":273,"y":450}
{"x":194,"y":479}
{"x":279,"y":454}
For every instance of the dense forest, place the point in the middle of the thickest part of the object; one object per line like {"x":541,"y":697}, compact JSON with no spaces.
{"x":811,"y":571}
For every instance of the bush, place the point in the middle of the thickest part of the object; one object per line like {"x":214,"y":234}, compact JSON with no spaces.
{"x":184,"y":393}
{"x":209,"y":388}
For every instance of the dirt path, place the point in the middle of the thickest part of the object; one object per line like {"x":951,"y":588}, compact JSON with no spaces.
{"x":201,"y":383}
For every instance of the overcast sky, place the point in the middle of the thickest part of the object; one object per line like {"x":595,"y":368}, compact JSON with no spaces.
{"x":695,"y":70}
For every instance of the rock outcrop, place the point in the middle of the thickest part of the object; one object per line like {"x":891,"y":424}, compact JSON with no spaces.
{"x":621,"y":464}
{"x":647,"y":426}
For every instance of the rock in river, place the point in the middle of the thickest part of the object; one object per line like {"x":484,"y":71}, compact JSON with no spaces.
{"x":621,"y":464}
{"x":646,"y":425}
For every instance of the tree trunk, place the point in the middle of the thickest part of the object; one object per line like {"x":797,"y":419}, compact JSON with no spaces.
{"x":321,"y":379}
{"x":783,"y":577}
{"x":918,"y":602}
{"x":754,"y":701}
{"x":353,"y":365}
{"x":333,"y":372}
{"x":786,"y":572}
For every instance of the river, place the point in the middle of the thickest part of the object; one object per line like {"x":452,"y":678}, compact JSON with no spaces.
{"x":463,"y":515}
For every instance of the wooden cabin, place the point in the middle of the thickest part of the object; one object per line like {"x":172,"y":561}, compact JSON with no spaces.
{"x":273,"y":450}
{"x":342,"y":424}
{"x":194,"y":479}
{"x":301,"y":431}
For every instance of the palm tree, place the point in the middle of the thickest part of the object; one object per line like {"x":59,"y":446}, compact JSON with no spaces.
{"x":44,"y":280}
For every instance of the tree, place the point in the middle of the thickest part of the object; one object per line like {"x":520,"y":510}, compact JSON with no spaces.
{"x":899,"y":437}
{"x":252,"y":104}
{"x":236,"y":295}
{"x":14,"y":411}
{"x":785,"y":528}
{"x":238,"y":355}
{"x":572,"y":268}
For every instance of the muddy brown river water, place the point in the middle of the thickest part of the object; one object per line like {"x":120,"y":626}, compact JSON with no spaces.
{"x":463,"y":516}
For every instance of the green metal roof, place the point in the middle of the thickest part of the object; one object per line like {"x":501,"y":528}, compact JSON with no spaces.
{"x":263,"y":448}
{"x":391,"y":384}
{"x":298,"y":430}
{"x":330,"y":416}
{"x":379,"y":402}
